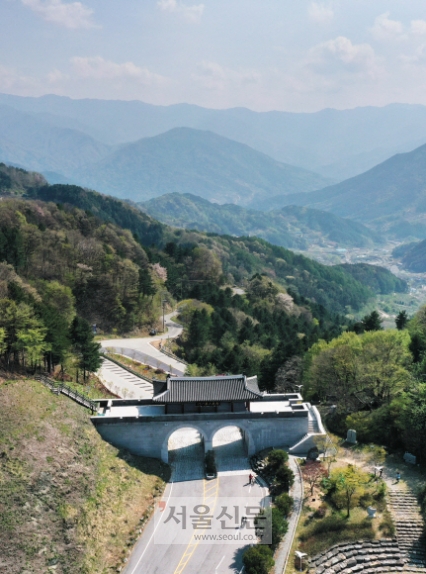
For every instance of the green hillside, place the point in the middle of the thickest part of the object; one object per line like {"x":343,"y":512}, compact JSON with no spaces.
{"x":239,"y":258}
{"x":390,"y":197}
{"x":184,"y":160}
{"x":292,"y":226}
{"x":15,"y":181}
{"x":379,"y":279}
{"x":57,"y":260}
{"x":143,"y":227}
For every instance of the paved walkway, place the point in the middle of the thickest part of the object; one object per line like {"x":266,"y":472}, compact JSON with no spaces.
{"x":283,"y":553}
{"x":122,"y":383}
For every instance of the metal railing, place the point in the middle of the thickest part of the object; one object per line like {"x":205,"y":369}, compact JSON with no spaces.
{"x":59,"y":387}
{"x":173,"y":356}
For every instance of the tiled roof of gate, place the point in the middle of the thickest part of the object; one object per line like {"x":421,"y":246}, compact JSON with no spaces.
{"x":209,"y":389}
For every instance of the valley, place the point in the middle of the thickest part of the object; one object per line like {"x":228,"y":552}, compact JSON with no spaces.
{"x":389,"y":304}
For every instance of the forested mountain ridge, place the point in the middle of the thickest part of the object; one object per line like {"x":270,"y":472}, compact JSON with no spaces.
{"x":15,"y":181}
{"x":239,"y":258}
{"x":60,"y":259}
{"x":291,"y":226}
{"x":185,"y":160}
{"x":146,"y":229}
{"x":389,"y":197}
{"x":379,"y":279}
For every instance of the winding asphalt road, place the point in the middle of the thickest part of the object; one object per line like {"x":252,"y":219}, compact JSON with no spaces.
{"x":120,"y":381}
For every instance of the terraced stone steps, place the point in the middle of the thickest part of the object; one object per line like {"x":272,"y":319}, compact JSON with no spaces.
{"x":409,"y":529}
{"x":365,"y":557}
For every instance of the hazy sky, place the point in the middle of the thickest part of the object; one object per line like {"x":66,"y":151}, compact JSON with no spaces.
{"x":295,"y":55}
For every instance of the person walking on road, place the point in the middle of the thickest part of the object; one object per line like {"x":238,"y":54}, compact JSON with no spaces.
{"x":398,"y":476}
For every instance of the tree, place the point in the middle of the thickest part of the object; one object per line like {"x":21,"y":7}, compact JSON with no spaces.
{"x":348,"y":480}
{"x":276,"y":459}
{"x":284,"y":478}
{"x":401,"y":320}
{"x":372,"y":322}
{"x":284,"y":502}
{"x":199,"y":328}
{"x":57,"y":310}
{"x":313,"y":472}
{"x":417,"y":347}
{"x":288,"y":377}
{"x":258,"y":559}
{"x":86,"y":349}
{"x":328,"y":447}
{"x":360,"y":371}
{"x":33,"y":344}
{"x":24,"y":333}
{"x":146,"y":284}
{"x":261,"y":287}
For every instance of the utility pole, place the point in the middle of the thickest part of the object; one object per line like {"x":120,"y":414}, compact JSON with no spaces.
{"x":164,"y":305}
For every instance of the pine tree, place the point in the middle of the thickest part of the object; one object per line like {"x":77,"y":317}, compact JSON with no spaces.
{"x":146,"y":284}
{"x":401,"y":320}
{"x":86,"y":349}
{"x":372,"y":322}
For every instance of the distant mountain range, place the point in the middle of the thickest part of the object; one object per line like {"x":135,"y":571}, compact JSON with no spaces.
{"x":184,"y":160}
{"x":79,"y":142}
{"x":292,"y":227}
{"x":336,"y":143}
{"x":30,"y":142}
{"x":391,"y":197}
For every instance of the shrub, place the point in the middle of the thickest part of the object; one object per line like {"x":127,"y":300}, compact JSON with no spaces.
{"x":284,"y":503}
{"x":387,"y":526}
{"x":279,"y":527}
{"x":276,"y":459}
{"x":284,"y":478}
{"x":258,"y":559}
{"x":381,"y":491}
{"x":274,"y":527}
{"x":365,"y":499}
{"x":321,"y":511}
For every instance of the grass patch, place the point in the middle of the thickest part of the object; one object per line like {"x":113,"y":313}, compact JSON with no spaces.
{"x":317,"y":535}
{"x":71,"y":501}
{"x":145,"y":370}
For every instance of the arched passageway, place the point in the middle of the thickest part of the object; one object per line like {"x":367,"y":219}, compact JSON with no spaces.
{"x":231,"y":448}
{"x":185,"y":448}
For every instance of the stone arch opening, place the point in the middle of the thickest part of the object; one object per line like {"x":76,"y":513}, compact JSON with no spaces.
{"x":232,"y":446}
{"x":183,"y":449}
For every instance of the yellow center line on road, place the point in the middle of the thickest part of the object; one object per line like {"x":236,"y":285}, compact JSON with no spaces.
{"x":210,"y":492}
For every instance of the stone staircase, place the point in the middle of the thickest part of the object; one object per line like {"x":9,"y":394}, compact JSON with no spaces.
{"x":364,"y":557}
{"x":409,"y":529}
{"x":405,"y":553}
